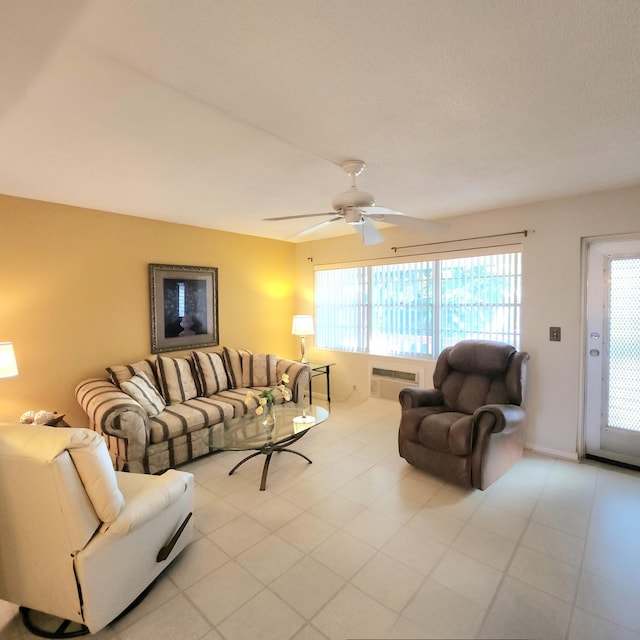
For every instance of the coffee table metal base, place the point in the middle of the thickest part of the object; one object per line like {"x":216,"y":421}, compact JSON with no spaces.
{"x":269,"y":451}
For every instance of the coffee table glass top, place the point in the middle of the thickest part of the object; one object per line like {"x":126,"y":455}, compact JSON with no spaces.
{"x":246,"y":432}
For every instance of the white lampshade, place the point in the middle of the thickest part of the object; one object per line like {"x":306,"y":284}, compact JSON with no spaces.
{"x":302,"y":326}
{"x":8,"y":364}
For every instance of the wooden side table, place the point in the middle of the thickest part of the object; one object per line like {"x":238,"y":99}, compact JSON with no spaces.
{"x":320,"y":369}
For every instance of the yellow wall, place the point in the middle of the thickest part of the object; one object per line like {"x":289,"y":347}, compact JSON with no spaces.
{"x":74,"y":295}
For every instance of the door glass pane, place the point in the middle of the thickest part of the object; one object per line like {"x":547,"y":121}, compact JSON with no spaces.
{"x":624,"y":344}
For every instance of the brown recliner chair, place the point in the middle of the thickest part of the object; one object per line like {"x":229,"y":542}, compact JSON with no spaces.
{"x":469,"y":429}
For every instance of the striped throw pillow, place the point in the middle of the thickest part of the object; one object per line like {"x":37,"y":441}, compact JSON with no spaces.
{"x":233,"y":364}
{"x":118,"y":373}
{"x":210,"y":372}
{"x":258,"y":370}
{"x":141,"y":389}
{"x":177,"y":383}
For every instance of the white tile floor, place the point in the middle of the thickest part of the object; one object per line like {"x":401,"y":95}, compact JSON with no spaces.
{"x":361,"y":545}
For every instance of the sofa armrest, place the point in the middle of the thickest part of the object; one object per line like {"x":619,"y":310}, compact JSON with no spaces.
{"x":113,"y":413}
{"x":299,"y":376}
{"x":412,"y":397}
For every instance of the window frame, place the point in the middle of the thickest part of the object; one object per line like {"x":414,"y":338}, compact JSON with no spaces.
{"x":435,"y":305}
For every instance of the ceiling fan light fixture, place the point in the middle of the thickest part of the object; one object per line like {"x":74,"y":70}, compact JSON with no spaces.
{"x":353,"y":216}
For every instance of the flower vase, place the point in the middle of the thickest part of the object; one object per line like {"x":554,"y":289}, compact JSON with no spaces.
{"x":269,"y":419}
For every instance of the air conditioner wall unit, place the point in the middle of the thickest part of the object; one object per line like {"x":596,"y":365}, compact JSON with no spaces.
{"x":387,"y":382}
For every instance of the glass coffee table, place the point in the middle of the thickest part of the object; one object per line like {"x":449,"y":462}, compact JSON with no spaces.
{"x":247,"y":433}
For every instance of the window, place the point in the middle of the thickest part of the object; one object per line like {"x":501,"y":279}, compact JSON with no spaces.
{"x":416,"y":309}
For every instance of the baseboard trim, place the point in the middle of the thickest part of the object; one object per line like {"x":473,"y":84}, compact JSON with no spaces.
{"x":554,"y":453}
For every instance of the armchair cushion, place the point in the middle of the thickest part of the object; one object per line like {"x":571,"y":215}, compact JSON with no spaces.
{"x":93,"y":463}
{"x":448,"y":432}
{"x":465,"y":392}
{"x":487,"y":358}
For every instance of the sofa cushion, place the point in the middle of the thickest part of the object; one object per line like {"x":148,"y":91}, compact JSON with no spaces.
{"x":259,"y":370}
{"x":141,"y":389}
{"x":188,"y":416}
{"x":175,"y":376}
{"x":210,"y":372}
{"x":233,"y":364}
{"x":244,"y":403}
{"x":118,"y":373}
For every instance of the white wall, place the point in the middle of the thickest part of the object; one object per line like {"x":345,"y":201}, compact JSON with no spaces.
{"x":552,"y":296}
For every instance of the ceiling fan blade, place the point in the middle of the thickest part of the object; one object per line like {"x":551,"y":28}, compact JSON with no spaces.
{"x":382,"y":214}
{"x":304,"y":215}
{"x":315,"y":227}
{"x":367,"y":231}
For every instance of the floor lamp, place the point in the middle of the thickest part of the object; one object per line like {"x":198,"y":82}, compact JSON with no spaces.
{"x":303,"y":326}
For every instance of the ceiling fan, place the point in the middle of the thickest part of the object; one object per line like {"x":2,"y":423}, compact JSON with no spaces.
{"x":358,"y":209}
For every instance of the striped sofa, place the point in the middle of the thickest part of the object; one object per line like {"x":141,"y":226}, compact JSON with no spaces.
{"x":160,"y":412}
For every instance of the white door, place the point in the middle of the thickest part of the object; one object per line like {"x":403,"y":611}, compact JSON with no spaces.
{"x":612,"y":402}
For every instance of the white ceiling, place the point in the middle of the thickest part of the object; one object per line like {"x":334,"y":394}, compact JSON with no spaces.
{"x":219,"y":113}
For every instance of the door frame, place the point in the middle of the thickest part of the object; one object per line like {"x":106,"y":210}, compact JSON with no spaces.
{"x":586,"y":242}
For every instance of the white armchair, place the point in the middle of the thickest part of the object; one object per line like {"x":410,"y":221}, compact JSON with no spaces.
{"x":78,"y":540}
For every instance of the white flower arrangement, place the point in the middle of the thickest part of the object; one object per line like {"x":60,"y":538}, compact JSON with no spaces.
{"x":266,"y":397}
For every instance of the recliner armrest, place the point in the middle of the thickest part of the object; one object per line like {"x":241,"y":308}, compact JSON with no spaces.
{"x":412,"y":397}
{"x":146,"y":496}
{"x":507,"y":416}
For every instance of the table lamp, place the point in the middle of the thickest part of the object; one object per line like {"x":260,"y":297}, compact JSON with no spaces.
{"x":303,"y":326}
{"x":8,"y":365}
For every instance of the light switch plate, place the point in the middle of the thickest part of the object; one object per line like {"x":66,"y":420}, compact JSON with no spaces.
{"x":554,"y":334}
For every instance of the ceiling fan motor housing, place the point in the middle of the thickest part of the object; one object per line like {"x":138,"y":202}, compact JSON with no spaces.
{"x":353,"y":199}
